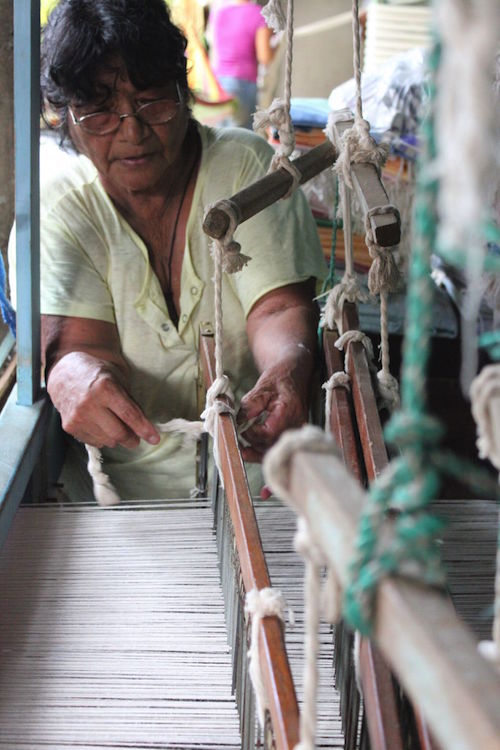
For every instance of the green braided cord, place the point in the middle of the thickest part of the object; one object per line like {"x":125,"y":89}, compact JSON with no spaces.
{"x":491,"y":342}
{"x":411,"y":481}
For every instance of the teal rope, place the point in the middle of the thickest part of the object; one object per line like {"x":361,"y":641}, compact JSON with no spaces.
{"x":491,"y":342}
{"x":411,"y":481}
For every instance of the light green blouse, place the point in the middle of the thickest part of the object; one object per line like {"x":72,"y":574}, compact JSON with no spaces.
{"x":95,"y":266}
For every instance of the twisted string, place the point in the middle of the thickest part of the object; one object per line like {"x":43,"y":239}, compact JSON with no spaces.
{"x":278,"y":115}
{"x":337,"y":380}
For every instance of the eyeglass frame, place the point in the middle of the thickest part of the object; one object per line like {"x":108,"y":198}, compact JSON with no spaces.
{"x":78,"y":121}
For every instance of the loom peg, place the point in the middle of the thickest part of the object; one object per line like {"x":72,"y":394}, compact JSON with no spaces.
{"x":371,"y":193}
{"x":266,"y":191}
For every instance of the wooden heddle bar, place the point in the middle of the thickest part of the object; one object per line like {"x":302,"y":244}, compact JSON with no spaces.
{"x":276,"y":673}
{"x":369,"y":458}
{"x":432,"y":653}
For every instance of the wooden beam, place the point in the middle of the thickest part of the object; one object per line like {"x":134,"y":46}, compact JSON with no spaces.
{"x":371,"y":194}
{"x":432,"y":653}
{"x":268,"y":190}
{"x":277,"y":676}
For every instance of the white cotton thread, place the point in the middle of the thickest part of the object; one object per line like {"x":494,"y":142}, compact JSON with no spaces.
{"x":485,"y":407}
{"x":347,"y":290}
{"x":337,"y":380}
{"x":267,"y":602}
{"x":278,"y":114}
{"x":104,"y":491}
{"x":343,"y":344}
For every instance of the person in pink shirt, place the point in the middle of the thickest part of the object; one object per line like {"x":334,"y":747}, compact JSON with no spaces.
{"x":240,"y":42}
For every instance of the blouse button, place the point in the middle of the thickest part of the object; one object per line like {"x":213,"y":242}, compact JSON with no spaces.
{"x":165,"y":327}
{"x":194,"y":290}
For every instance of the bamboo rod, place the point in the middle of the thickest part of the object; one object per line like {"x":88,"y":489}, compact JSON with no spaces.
{"x":266,"y":191}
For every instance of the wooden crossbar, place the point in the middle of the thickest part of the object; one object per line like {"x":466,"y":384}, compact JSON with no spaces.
{"x":278,"y":681}
{"x":420,"y":636}
{"x":371,"y":194}
{"x":268,"y":190}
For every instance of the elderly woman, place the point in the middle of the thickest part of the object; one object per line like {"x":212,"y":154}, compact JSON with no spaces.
{"x":126,"y":269}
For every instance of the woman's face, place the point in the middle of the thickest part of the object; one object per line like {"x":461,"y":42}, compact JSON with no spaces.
{"x":136,"y":158}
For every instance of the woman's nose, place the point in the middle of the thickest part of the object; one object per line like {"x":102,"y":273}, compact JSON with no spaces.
{"x":132,"y":129}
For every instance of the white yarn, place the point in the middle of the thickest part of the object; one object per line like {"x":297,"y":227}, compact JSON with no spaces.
{"x":467,"y":144}
{"x":267,"y":602}
{"x":210,"y":415}
{"x":104,"y":492}
{"x":275,"y":14}
{"x":278,"y":114}
{"x":347,"y":290}
{"x":337,"y":380}
{"x":344,"y":341}
{"x":485,"y":407}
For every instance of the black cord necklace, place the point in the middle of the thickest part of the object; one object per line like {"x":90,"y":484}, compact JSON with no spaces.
{"x":168,"y":293}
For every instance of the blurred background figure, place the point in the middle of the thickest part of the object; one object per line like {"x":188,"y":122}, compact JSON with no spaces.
{"x":240,"y":42}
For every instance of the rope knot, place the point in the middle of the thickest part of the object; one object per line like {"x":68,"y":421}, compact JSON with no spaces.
{"x":347,"y":290}
{"x":343,"y":344}
{"x":261,"y":603}
{"x":407,"y":430}
{"x":277,"y":461}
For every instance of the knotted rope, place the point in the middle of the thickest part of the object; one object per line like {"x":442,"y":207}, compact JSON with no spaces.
{"x":347,"y":338}
{"x":347,"y":290}
{"x":337,"y":380}
{"x":278,"y":114}
{"x":267,"y":602}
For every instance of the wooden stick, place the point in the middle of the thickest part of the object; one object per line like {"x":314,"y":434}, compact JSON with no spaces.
{"x":432,"y":653}
{"x":378,"y":689}
{"x":268,"y":190}
{"x":371,"y":193}
{"x":370,"y":429}
{"x":277,"y":676}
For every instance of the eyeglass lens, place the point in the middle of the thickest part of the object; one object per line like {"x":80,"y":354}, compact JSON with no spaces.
{"x":153,"y":113}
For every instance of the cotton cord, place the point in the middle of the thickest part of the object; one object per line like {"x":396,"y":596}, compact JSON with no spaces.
{"x":347,"y":290}
{"x":104,"y":491}
{"x":336,"y":380}
{"x":278,"y":114}
{"x":485,"y":407}
{"x":343,"y":344}
{"x":261,"y":603}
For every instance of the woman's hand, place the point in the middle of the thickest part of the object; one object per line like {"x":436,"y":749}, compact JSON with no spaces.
{"x":281,"y":329}
{"x":277,"y":402}
{"x":87,"y":381}
{"x":94,"y":405}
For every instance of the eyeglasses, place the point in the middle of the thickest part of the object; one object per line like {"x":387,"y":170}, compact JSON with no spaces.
{"x":156,"y":112}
